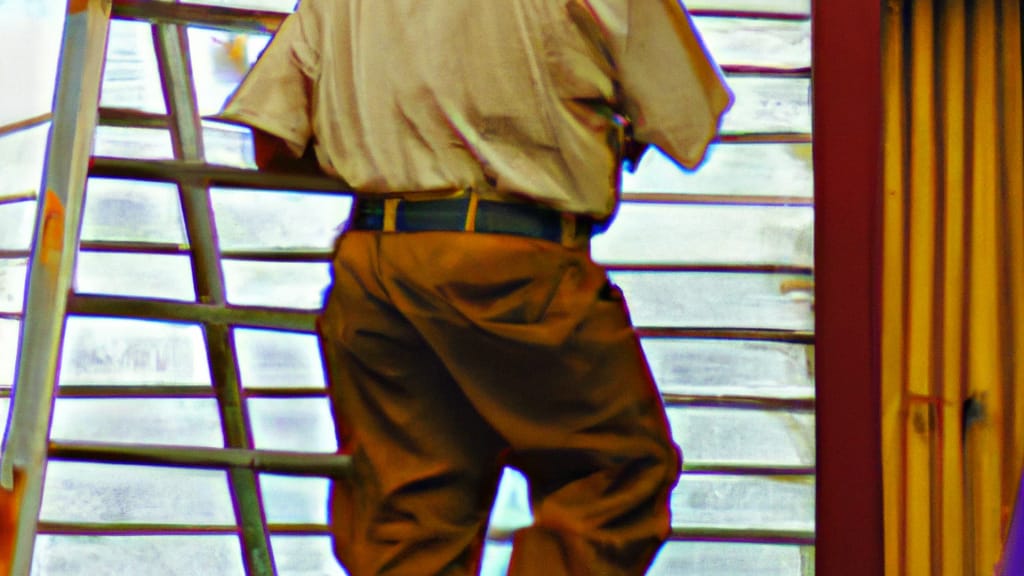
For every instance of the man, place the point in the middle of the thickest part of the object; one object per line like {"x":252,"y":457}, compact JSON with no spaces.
{"x":467,"y":327}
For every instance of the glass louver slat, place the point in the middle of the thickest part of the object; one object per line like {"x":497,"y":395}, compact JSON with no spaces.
{"x":734,"y":300}
{"x":757,"y":42}
{"x":714,"y":368}
{"x":116,"y":493}
{"x":155,"y":421}
{"x":162,"y":276}
{"x":743,"y":437}
{"x":132,"y":211}
{"x":116,"y":351}
{"x":707,"y":234}
{"x":743,"y":169}
{"x":66,"y":555}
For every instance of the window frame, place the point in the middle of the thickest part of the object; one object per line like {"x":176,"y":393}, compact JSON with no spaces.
{"x":846,"y":59}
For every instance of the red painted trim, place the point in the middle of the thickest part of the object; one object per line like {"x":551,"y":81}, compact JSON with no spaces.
{"x":847,"y":163}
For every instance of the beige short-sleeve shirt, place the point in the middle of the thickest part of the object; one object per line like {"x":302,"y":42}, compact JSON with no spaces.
{"x":528,"y":96}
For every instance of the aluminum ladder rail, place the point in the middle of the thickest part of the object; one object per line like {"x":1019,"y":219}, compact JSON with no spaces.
{"x":24,"y":455}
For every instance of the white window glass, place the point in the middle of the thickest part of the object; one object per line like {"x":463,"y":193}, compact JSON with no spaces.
{"x":12,"y":284}
{"x":299,"y":424}
{"x":9,"y":330}
{"x":767,"y":104}
{"x":168,"y":421}
{"x":16,"y":224}
{"x":133,"y":211}
{"x":268,"y":358}
{"x":114,"y":351}
{"x":740,"y":437}
{"x":294,"y":499}
{"x":716,"y":300}
{"x":744,"y":502}
{"x":780,"y":44}
{"x":131,"y":78}
{"x":137,"y":555}
{"x":497,"y":556}
{"x":30,"y":39}
{"x":133,"y":143}
{"x":114,"y":493}
{"x":163,"y":276}
{"x":252,"y":220}
{"x":701,"y":234}
{"x":297,"y":285}
{"x":511,"y":509}
{"x":305,"y":556}
{"x":220,"y":60}
{"x":23,"y":154}
{"x":731,"y":368}
{"x":228,"y":145}
{"x":716,"y":558}
{"x":761,"y":169}
{"x":269,"y":5}
{"x":770,"y":6}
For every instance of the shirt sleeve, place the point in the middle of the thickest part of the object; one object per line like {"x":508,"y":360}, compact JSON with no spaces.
{"x":276,"y":94}
{"x":673,"y":92}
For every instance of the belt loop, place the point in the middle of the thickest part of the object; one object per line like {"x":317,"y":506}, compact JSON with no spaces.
{"x":474,"y":201}
{"x":390,"y":214}
{"x":568,"y":230}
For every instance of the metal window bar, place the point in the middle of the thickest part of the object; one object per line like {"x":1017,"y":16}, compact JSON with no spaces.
{"x":25,"y":124}
{"x":194,"y":179}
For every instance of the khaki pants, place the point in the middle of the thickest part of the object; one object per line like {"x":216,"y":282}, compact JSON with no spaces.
{"x":451,"y":354}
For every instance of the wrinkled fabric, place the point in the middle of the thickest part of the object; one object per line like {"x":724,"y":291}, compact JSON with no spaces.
{"x":528,"y":97}
{"x":451,"y":354}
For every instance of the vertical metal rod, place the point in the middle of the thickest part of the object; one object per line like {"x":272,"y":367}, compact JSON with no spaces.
{"x":172,"y":51}
{"x":53,"y":260}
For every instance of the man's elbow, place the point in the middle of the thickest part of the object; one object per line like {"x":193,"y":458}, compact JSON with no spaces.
{"x":272,"y":154}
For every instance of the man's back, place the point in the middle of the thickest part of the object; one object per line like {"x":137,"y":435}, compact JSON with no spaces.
{"x":530,"y":96}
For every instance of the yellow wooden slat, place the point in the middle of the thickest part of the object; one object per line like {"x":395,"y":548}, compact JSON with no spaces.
{"x":921,"y":278}
{"x":952,"y":108}
{"x":985,"y":355}
{"x":892,"y":349}
{"x":1013,"y":156}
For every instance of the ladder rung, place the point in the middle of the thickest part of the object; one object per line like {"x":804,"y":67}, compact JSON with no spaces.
{"x":254,"y":317}
{"x":198,"y":15}
{"x":273,"y":461}
{"x":128,"y":118}
{"x":194,"y":172}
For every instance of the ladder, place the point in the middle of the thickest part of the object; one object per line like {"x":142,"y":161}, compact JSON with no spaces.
{"x":50,"y":295}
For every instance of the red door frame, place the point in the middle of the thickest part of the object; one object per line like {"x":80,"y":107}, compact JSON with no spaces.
{"x":847,"y":164}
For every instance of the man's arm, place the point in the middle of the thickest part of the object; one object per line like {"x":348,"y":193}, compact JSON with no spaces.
{"x":274,"y":155}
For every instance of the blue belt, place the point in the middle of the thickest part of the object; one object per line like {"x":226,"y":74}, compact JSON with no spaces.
{"x":519,"y":219}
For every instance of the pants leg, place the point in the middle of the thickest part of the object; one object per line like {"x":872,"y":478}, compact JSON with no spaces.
{"x":424,"y":464}
{"x":601,"y":501}
{"x":513,"y":342}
